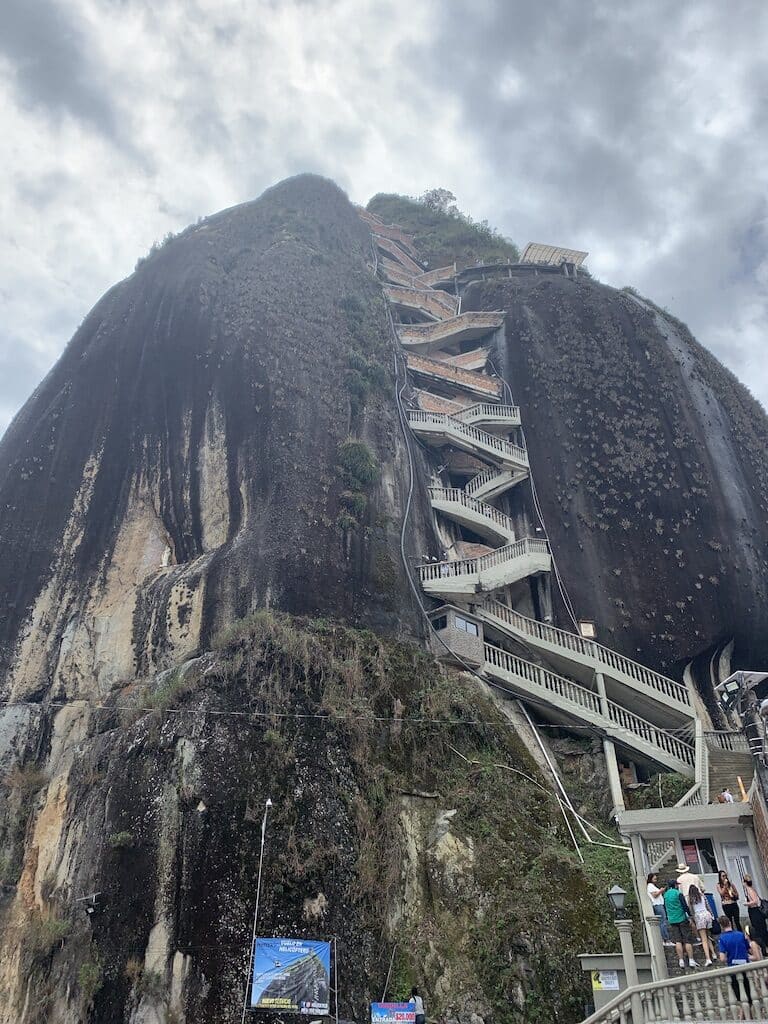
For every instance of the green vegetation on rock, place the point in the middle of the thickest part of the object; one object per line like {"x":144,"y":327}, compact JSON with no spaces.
{"x":444,"y":236}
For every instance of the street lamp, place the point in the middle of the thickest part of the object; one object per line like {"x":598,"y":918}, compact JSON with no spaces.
{"x":267,"y":807}
{"x":617,"y":896}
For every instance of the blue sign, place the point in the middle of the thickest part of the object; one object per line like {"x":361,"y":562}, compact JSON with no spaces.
{"x":393,"y":1013}
{"x":291,"y":976}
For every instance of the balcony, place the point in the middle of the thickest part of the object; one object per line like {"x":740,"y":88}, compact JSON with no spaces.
{"x":500,"y":568}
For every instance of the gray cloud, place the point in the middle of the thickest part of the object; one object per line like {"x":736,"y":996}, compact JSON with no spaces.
{"x":52,"y":65}
{"x":637,"y":131}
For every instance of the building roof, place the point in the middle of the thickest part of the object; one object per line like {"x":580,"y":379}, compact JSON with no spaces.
{"x":554,"y":255}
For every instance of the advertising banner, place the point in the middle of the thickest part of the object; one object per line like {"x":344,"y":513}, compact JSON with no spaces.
{"x":393,"y":1013}
{"x":291,"y":976}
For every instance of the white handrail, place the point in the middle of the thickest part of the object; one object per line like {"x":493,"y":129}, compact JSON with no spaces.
{"x":485,"y":477}
{"x":565,"y":688}
{"x":732,"y":741}
{"x":460,"y":497}
{"x":471,"y":566}
{"x":486,"y":410}
{"x":449,"y":424}
{"x":603,"y":656}
{"x":576,"y":693}
{"x":703,"y":996}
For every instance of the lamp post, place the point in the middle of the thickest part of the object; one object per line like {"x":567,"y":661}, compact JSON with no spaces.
{"x":618,"y":897}
{"x":267,"y":807}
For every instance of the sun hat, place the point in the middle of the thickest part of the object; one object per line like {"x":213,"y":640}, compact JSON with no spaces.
{"x":682,"y":868}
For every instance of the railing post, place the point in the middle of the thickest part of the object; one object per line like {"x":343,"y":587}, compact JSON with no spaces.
{"x":701,"y":767}
{"x":611,"y":761}
{"x":656,"y":947}
{"x":624,"y":927}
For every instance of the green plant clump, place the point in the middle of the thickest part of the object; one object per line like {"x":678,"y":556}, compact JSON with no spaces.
{"x":359,"y":468}
{"x":444,"y":235}
{"x":89,"y":977}
{"x":121,"y":840}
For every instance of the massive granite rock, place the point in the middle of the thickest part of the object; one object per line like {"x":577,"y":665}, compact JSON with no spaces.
{"x":184,"y":461}
{"x":651,"y":465}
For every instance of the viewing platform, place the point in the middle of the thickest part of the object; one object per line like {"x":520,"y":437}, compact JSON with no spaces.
{"x":439,"y":428}
{"x":465,"y":326}
{"x":582,"y":658}
{"x":478,"y":516}
{"x":467,"y":576}
{"x":436,"y":304}
{"x":442,"y":372}
{"x":584,"y":704}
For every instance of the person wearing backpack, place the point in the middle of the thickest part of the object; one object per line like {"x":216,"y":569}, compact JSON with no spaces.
{"x":678,"y":915}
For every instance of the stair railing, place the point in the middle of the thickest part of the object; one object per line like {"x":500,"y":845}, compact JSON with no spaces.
{"x":703,"y":996}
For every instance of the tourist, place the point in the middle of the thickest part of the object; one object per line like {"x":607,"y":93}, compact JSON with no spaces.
{"x":677,"y":916}
{"x":734,"y":950}
{"x":418,"y":1004}
{"x":727,"y":795}
{"x":686,"y":878}
{"x":702,"y":920}
{"x":656,"y":896}
{"x":756,"y":916}
{"x":755,"y":953}
{"x":729,"y":897}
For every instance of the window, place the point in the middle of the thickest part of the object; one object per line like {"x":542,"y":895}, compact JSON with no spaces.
{"x":440,"y":622}
{"x":699,"y":855}
{"x":467,"y":626}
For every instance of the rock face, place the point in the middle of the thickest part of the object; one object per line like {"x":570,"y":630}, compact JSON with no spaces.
{"x":651,"y":465}
{"x":181,"y":464}
{"x":203,"y":603}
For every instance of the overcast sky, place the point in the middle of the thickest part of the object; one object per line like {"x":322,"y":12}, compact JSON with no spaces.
{"x":636,"y":130}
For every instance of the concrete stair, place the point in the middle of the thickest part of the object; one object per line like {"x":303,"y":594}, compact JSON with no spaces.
{"x":725,"y":766}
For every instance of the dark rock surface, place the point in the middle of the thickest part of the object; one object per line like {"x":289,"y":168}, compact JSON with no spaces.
{"x":180,"y":464}
{"x":651,"y":464}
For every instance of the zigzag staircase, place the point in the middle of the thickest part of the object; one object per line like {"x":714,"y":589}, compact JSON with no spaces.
{"x":645,"y":713}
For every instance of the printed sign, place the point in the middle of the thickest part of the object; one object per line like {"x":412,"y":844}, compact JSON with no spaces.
{"x":605,"y":981}
{"x":393,"y":1013}
{"x":291,"y":976}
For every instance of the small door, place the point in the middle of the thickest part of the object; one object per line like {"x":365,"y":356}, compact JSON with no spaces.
{"x":738,"y":863}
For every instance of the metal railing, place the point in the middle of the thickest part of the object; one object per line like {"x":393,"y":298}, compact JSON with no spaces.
{"x":480,"y":438}
{"x":728,"y":994}
{"x":458,"y":496}
{"x":590,"y":649}
{"x":472,"y":566}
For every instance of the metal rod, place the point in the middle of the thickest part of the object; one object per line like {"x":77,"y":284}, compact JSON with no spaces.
{"x":389,"y":973}
{"x":336,"y":977}
{"x":256,"y":912}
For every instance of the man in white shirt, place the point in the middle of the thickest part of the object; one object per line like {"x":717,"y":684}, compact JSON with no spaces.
{"x":727,"y":796}
{"x":686,"y":878}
